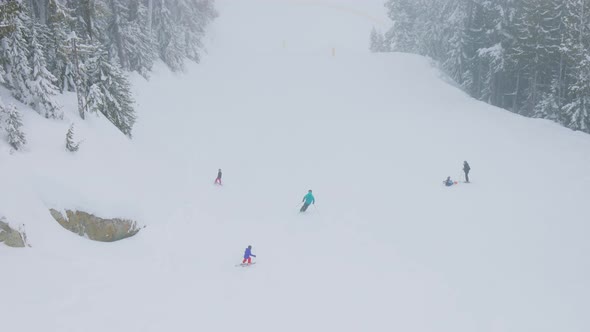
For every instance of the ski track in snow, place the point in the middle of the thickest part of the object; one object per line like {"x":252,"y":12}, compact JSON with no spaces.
{"x":388,"y":248}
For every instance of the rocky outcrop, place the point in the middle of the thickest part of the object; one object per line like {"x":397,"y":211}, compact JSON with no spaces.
{"x":96,"y":228}
{"x":10,"y":236}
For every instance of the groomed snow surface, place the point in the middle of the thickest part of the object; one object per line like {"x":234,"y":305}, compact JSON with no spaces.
{"x":387,"y":248}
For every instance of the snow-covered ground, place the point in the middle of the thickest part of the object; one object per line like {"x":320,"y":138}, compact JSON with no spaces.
{"x":289,"y":99}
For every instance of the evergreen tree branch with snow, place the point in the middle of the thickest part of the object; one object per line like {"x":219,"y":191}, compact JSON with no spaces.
{"x":110,"y":92}
{"x":13,"y":127}
{"x":377,"y":42}
{"x":42,"y":82}
{"x":70,"y":144}
{"x":16,"y":55}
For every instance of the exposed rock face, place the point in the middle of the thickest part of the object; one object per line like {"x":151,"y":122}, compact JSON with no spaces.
{"x":11,"y":237}
{"x":95,"y":228}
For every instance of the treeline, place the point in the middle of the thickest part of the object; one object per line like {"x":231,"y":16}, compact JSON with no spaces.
{"x":48,"y":47}
{"x":528,"y":56}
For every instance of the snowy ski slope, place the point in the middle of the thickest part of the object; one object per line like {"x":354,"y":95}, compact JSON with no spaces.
{"x":289,"y":99}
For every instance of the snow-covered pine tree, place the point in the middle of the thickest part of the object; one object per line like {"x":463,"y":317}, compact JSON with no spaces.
{"x":373,"y":44}
{"x":150,"y":15}
{"x":168,"y":33}
{"x":13,"y":127}
{"x":431,"y":28}
{"x":455,"y":58}
{"x":144,"y":52}
{"x":110,"y":92}
{"x":194,"y":16}
{"x":2,"y":72}
{"x":16,"y":56}
{"x":129,"y":38}
{"x":553,"y":98}
{"x":537,"y":44}
{"x":553,"y":88}
{"x":59,"y":61}
{"x":95,"y":99}
{"x":43,"y":35}
{"x":89,"y":18}
{"x":2,"y":112}
{"x":7,"y":11}
{"x":70,"y":144}
{"x":402,"y":35}
{"x":206,"y":13}
{"x":479,"y":51}
{"x":42,"y":81}
{"x":577,"y":42}
{"x":549,"y":105}
{"x":39,"y":10}
{"x":118,"y":41}
{"x":496,"y":53}
{"x":377,"y":41}
{"x":577,"y":110}
{"x":505,"y":82}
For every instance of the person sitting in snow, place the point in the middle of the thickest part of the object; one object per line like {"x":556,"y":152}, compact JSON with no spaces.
{"x":248,"y":255}
{"x":307,"y":201}
{"x":218,"y":179}
{"x":448,"y":182}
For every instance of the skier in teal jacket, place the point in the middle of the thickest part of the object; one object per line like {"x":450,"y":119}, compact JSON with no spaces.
{"x":307,"y":201}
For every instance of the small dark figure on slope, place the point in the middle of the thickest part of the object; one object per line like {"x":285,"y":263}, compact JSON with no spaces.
{"x":448,"y":182}
{"x":466,"y":169}
{"x":218,"y":179}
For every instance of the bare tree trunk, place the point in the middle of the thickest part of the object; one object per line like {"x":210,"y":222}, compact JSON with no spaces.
{"x":515,"y":100}
{"x":88,"y":14}
{"x":533,"y":97}
{"x":78,"y":79}
{"x":561,"y":81}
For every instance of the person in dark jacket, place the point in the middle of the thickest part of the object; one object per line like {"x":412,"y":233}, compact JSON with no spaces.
{"x":466,"y":169}
{"x":307,"y":201}
{"x":248,"y":255}
{"x":218,"y":179}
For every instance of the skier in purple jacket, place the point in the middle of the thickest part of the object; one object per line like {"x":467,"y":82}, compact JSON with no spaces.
{"x":248,"y":255}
